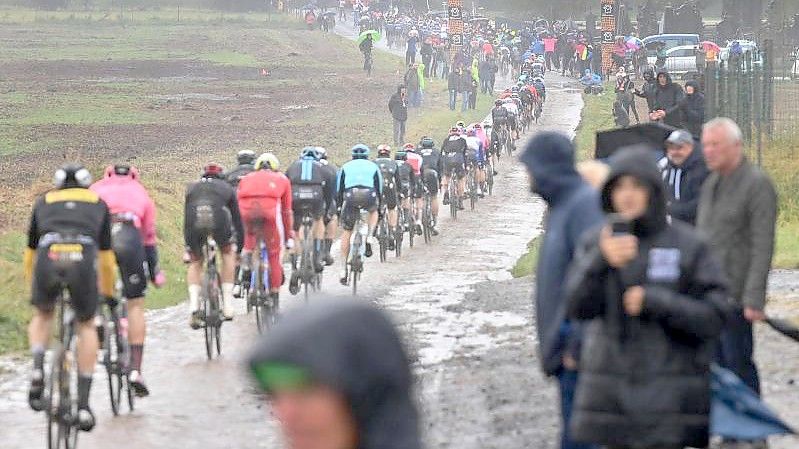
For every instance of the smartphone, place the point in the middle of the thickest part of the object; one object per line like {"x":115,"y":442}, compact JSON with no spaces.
{"x":619,"y":225}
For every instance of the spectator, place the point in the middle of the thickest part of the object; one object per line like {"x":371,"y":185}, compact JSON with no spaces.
{"x":620,"y":115}
{"x":453,"y":85}
{"x":624,"y":93}
{"x":466,"y":88}
{"x":337,"y":376}
{"x":648,"y":89}
{"x":737,"y":213}
{"x":592,"y":83}
{"x":442,"y":60}
{"x":410,"y":52}
{"x":573,"y":208}
{"x":420,"y":71}
{"x":692,"y":107}
{"x":619,"y":53}
{"x":427,"y":56}
{"x":412,"y":82}
{"x":550,"y":43}
{"x":657,"y":302}
{"x":684,"y":170}
{"x":398,"y":106}
{"x":667,"y":101}
{"x":484,"y":75}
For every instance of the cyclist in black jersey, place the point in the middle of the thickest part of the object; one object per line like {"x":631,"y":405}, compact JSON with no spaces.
{"x":391,"y":184}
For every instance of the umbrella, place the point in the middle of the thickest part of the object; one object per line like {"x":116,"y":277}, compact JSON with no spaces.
{"x":375,"y":36}
{"x":652,"y":133}
{"x":634,"y":43}
{"x":784,"y":327}
{"x":707,"y":46}
{"x":736,"y":412}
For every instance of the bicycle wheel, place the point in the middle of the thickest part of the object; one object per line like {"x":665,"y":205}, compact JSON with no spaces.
{"x":398,"y":239}
{"x":490,"y":179}
{"x":62,"y":409}
{"x":453,"y":199}
{"x":382,"y":239}
{"x":256,"y":293}
{"x":218,"y":322}
{"x":411,"y":230}
{"x":112,"y":363}
{"x":208,"y":311}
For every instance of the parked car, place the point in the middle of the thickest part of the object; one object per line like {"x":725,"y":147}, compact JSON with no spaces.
{"x":670,"y":41}
{"x":680,"y":60}
{"x":746,"y":46}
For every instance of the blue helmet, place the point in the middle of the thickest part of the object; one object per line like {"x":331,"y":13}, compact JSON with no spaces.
{"x":360,"y":151}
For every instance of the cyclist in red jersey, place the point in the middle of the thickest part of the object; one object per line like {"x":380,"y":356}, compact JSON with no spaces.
{"x":265,"y":203}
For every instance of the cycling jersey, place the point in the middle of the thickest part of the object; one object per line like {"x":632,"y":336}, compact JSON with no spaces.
{"x":499,"y":115}
{"x":415,"y":161}
{"x":211,"y":210}
{"x":359,"y":173}
{"x":511,"y":107}
{"x":234,"y":177}
{"x":389,"y":169}
{"x":69,"y":230}
{"x":454,"y":152}
{"x":475,"y":151}
{"x":311,"y":192}
{"x":125,"y":195}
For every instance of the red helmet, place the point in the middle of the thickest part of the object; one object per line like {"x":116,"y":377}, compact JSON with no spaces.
{"x":213,"y":170}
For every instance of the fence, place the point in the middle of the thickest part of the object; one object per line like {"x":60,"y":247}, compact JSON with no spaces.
{"x":759,"y":89}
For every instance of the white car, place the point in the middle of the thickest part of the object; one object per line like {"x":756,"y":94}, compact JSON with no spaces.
{"x":679,"y":60}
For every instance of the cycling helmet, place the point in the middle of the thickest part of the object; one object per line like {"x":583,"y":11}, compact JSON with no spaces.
{"x":267,"y":161}
{"x":310,"y":152}
{"x":538,"y":80}
{"x":514,"y":95}
{"x":383,"y":150}
{"x":121,"y":170}
{"x":427,"y":142}
{"x":477,"y":126}
{"x":409,"y":147}
{"x":213,"y":170}
{"x":71,"y":176}
{"x":360,"y":151}
{"x":515,"y":89}
{"x":498,"y":102}
{"x":460,"y":124}
{"x":401,"y":156}
{"x":322,"y":153}
{"x":245,"y":157}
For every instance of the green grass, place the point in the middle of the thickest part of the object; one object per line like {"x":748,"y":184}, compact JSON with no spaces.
{"x":527,"y":264}
{"x":160,"y":16}
{"x":597,"y":115}
{"x":231,"y":58}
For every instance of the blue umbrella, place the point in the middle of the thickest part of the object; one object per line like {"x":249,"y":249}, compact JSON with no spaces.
{"x":737,"y":412}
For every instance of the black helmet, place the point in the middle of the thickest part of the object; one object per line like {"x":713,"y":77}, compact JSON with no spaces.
{"x":427,"y":142}
{"x":245,"y":157}
{"x":497,"y":102}
{"x":71,"y":176}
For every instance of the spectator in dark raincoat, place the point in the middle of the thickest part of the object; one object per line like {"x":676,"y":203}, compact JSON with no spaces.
{"x":573,"y":208}
{"x":398,"y":106}
{"x":684,"y":171}
{"x":338,"y":377}
{"x":453,"y":86}
{"x":667,"y":101}
{"x":427,"y":56}
{"x":412,"y":83}
{"x":648,"y":89}
{"x":656,"y":299}
{"x":692,"y":107}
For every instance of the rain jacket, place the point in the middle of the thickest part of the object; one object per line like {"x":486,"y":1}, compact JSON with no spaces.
{"x":692,"y":108}
{"x":124,"y":194}
{"x":648,"y":90}
{"x":573,"y":208}
{"x":353,"y":348}
{"x":645,"y":381}
{"x":684,"y":185}
{"x":412,"y":80}
{"x":668,"y":98}
{"x":476,"y":71}
{"x":398,"y":106}
{"x":420,"y":74}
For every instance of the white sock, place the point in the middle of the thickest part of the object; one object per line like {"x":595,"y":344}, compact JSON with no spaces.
{"x":194,"y":297}
{"x":227,"y":295}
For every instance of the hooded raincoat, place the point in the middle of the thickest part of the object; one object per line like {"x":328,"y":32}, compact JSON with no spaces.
{"x":353,"y":348}
{"x":645,"y":380}
{"x":692,"y":108}
{"x":667,"y":98}
{"x":573,"y":208}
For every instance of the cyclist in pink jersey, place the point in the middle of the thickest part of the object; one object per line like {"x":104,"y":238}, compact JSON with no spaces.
{"x":415,"y":161}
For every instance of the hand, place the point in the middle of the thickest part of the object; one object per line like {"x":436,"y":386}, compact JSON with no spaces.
{"x":159,"y":280}
{"x":753,"y":315}
{"x":653,"y":116}
{"x":634,"y":300}
{"x":618,"y":251}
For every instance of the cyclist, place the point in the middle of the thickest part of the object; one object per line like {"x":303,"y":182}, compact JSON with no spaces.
{"x":407,"y":181}
{"x":330,"y":218}
{"x":266,"y":212}
{"x":360,"y":187}
{"x":134,"y":242}
{"x":541,"y":88}
{"x":69,"y":244}
{"x":311,"y":194}
{"x":389,"y":169}
{"x":475,"y":158}
{"x":454,"y":152}
{"x":414,"y":161}
{"x":245,"y":159}
{"x":432,"y":168}
{"x":499,"y":118}
{"x":211,"y":211}
{"x":513,"y":113}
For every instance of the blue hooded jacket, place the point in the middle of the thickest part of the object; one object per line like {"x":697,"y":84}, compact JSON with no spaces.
{"x":574,"y":207}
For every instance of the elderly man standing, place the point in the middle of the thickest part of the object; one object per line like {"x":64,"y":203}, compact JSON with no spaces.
{"x":737,"y":213}
{"x":684,"y":170}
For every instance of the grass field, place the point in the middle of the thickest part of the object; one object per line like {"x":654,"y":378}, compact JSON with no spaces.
{"x":170,"y":96}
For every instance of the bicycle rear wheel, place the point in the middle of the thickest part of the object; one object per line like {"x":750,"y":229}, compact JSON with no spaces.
{"x":62,"y":412}
{"x":208,"y":326}
{"x":112,"y":363}
{"x":257,"y":294}
{"x":453,"y":199}
{"x":218,"y":321}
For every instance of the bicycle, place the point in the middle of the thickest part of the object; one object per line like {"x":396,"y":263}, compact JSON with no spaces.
{"x":310,"y":279}
{"x":454,"y":199}
{"x":399,"y":231}
{"x":264,"y":305}
{"x":471,"y":185}
{"x":489,"y":167}
{"x":113,"y":332}
{"x":210,"y":299}
{"x":383,"y":234}
{"x":427,"y":217}
{"x":357,"y":251}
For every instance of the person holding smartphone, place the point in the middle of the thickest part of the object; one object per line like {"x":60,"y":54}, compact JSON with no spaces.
{"x":656,"y":301}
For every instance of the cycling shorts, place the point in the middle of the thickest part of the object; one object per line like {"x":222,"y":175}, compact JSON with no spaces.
{"x":204,"y":223}
{"x":355,"y":199}
{"x":390,"y":196}
{"x":307,"y":199}
{"x":512,"y":121}
{"x":418,"y":188}
{"x":431,"y":181}
{"x":453,"y":165}
{"x":66,"y":263}
{"x":404,"y":189}
{"x":131,"y":258}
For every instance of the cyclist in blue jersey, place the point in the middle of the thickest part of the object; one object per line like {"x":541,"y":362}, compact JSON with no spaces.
{"x":360,"y":186}
{"x":311,"y":194}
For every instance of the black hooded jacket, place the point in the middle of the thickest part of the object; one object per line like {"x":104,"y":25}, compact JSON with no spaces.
{"x":684,"y":185}
{"x":648,"y":90}
{"x":667,"y":98}
{"x":353,"y":348}
{"x":398,"y":106}
{"x":645,"y":381}
{"x":692,"y":108}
